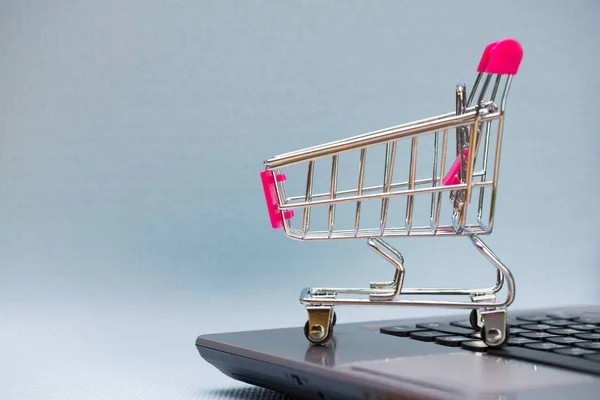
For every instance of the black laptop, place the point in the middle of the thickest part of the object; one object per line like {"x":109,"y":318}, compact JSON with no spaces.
{"x":552,"y":354}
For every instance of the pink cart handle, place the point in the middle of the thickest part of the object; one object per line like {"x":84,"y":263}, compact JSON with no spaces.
{"x":502,"y":57}
{"x":485,"y":57}
{"x":277,"y":217}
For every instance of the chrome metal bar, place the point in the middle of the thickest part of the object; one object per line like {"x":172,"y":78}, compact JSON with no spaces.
{"x":462,"y":144}
{"x":361,"y":173}
{"x":442,"y":165}
{"x":503,"y":272}
{"x":488,"y":126}
{"x":373,"y":196}
{"x":486,"y":148}
{"x":407,"y":291}
{"x":377,"y":188}
{"x":474,"y":89}
{"x":505,"y":94}
{"x":495,"y":178}
{"x":396,"y":127}
{"x":487,"y":123}
{"x":332,"y":188}
{"x":376,"y":244}
{"x":470,"y":164}
{"x":411,"y":185}
{"x":407,"y":303}
{"x":394,"y":257}
{"x":498,"y":151}
{"x":387,"y":135}
{"x":460,"y":130}
{"x":390,"y":157}
{"x":496,"y":87}
{"x":308,"y":196}
{"x":443,"y":230}
{"x":434,"y":175}
{"x":312,"y":296}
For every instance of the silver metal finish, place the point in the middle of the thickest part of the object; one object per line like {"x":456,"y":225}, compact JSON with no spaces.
{"x":494,"y":327}
{"x":478,"y":137}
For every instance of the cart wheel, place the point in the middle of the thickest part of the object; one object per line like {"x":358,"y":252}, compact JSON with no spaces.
{"x":495,"y":345}
{"x":473,"y":319}
{"x":322,"y":340}
{"x":334,"y":319}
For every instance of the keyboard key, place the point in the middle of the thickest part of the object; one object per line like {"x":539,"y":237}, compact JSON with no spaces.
{"x":593,"y":357}
{"x":549,"y":358}
{"x":446,"y":328}
{"x":574,"y":351}
{"x":537,"y":327}
{"x":567,"y":340}
{"x":520,"y":341}
{"x":402,"y":330}
{"x":537,"y":335}
{"x":514,"y":331}
{"x":516,"y":322}
{"x":557,"y":322}
{"x":591,"y":319}
{"x":474,"y":345}
{"x":453,"y":341}
{"x":588,"y":336}
{"x":464,"y":324}
{"x":564,"y":340}
{"x":589,"y":345}
{"x":563,"y":315}
{"x":426,"y":336}
{"x":545,"y":346}
{"x":564,"y":331}
{"x":584,"y":327}
{"x":533,"y":318}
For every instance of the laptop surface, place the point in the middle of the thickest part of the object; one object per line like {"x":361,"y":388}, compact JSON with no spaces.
{"x":552,"y":353}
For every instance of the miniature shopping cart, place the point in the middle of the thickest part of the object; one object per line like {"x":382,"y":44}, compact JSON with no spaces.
{"x":441,"y":170}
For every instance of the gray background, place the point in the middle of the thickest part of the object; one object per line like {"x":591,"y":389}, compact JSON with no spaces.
{"x":132,"y":134}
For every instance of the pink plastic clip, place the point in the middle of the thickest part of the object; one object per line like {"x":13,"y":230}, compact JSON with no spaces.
{"x":277,"y":217}
{"x":485,"y":57}
{"x":451,"y":177}
{"x":502,"y":57}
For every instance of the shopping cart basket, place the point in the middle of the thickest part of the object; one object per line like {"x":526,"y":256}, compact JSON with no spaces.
{"x":459,"y":202}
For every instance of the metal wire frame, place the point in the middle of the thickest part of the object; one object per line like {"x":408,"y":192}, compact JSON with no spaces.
{"x":476,"y":120}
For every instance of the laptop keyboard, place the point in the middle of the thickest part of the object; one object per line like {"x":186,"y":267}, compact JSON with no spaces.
{"x":562,"y":341}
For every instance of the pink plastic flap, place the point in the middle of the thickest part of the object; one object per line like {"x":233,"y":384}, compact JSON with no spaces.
{"x":502,"y":57}
{"x":451,"y":177}
{"x":275,"y":215}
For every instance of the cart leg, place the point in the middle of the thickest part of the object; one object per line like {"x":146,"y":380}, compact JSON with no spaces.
{"x":395,"y":258}
{"x":319,"y":327}
{"x":475,"y":317}
{"x":387,"y":285}
{"x":503,"y":273}
{"x":494,"y":331}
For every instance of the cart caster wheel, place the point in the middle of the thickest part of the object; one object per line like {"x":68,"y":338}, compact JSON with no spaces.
{"x":474,"y":320}
{"x":313,"y":334}
{"x":333,"y":319}
{"x":494,"y":344}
